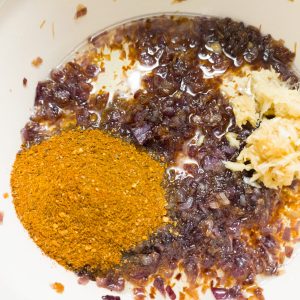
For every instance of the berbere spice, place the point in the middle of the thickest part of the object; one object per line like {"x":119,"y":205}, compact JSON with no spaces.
{"x":85,"y":197}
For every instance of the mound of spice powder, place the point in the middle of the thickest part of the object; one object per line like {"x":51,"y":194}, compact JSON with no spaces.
{"x":86,"y":197}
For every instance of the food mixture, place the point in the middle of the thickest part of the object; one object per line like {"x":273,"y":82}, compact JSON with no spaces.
{"x":218,"y":103}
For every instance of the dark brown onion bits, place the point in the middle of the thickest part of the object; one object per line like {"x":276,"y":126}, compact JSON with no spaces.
{"x":220,"y":293}
{"x":223,"y":223}
{"x":288,"y":251}
{"x":227,"y":294}
{"x":98,"y":102}
{"x":109,"y":297}
{"x":158,"y":283}
{"x":35,"y":132}
{"x":92,"y":70}
{"x":1,"y":217}
{"x":286,"y":236}
{"x":170,"y":292}
{"x":111,"y":282}
{"x":66,"y":93}
{"x":37,"y":62}
{"x":83,"y":280}
{"x":24,"y":81}
{"x":81,"y":11}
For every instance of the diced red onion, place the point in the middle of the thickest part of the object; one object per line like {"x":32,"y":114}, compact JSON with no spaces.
{"x":220,"y":293}
{"x":109,"y":297}
{"x":297,"y":227}
{"x":188,"y":204}
{"x":286,"y":236}
{"x":214,"y":205}
{"x":212,"y":164}
{"x":223,"y":199}
{"x":170,"y":293}
{"x":243,"y":200}
{"x":101,"y":282}
{"x":141,"y":133}
{"x":84,"y":280}
{"x":159,"y":285}
{"x":149,"y":259}
{"x":288,"y":251}
{"x":117,"y":285}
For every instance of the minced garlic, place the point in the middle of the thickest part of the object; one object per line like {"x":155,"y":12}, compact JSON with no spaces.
{"x":274,"y":96}
{"x":244,"y":108}
{"x":237,"y":89}
{"x":258,"y":94}
{"x":232,"y":139}
{"x":273,"y":149}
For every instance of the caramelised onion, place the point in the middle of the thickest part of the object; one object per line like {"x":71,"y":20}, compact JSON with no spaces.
{"x":112,"y":284}
{"x":83,"y":280}
{"x":223,"y":199}
{"x":212,"y":164}
{"x":227,"y":294}
{"x":286,"y":236}
{"x":288,"y":251}
{"x":109,"y":297}
{"x":146,"y":260}
{"x":214,"y":205}
{"x":141,"y":133}
{"x":187,"y":204}
{"x":170,"y":293}
{"x":191,"y":269}
{"x":220,"y":293}
{"x":159,"y":285}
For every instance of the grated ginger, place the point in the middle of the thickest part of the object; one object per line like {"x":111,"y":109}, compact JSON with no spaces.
{"x":274,"y":96}
{"x":244,"y":108}
{"x":232,"y":139}
{"x":273,"y":149}
{"x":238,"y":90}
{"x":258,"y":94}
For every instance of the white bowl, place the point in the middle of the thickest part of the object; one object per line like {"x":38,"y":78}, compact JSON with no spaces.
{"x":26,"y":274}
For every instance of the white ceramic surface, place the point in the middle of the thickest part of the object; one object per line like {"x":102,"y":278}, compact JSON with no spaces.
{"x":25,"y":274}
